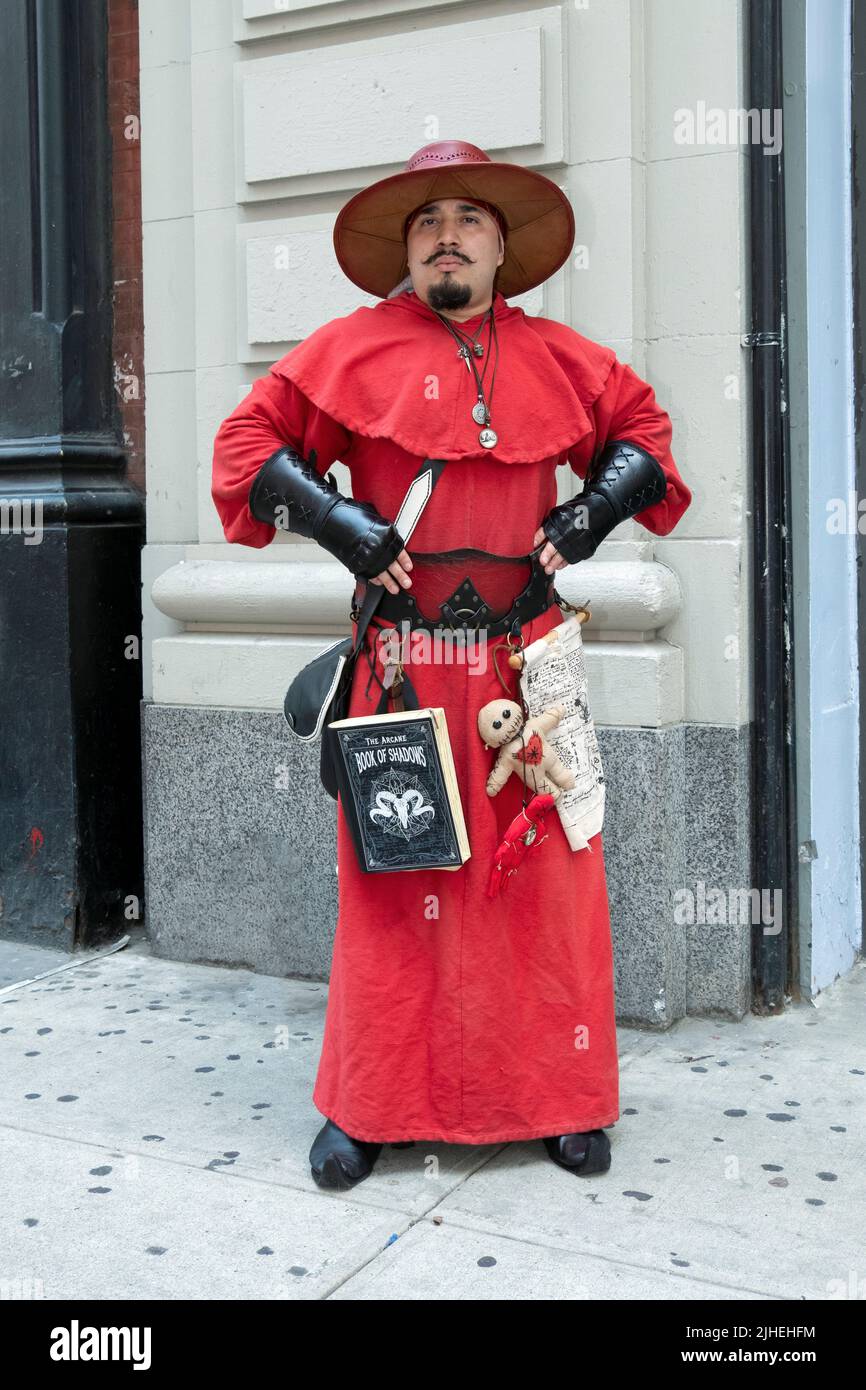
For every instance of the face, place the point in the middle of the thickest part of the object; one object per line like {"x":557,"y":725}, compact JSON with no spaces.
{"x":453,"y":248}
{"x":507,"y":724}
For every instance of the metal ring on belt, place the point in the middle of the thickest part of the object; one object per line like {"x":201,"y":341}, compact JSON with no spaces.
{"x":535,"y":599}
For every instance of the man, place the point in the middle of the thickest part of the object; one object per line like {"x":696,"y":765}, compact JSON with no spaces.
{"x":451,"y":1017}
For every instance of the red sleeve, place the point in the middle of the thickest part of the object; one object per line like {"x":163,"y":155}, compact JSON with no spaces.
{"x":275,"y":413}
{"x":627,"y":409}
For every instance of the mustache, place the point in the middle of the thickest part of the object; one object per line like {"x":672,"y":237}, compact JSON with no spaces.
{"x":449,"y":256}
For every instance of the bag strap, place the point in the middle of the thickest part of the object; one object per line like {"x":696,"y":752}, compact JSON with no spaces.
{"x":408,"y":695}
{"x":417,"y":496}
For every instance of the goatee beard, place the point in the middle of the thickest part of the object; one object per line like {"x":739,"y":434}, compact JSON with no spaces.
{"x":449,"y":294}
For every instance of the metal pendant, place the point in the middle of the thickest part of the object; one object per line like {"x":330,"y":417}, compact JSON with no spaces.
{"x":488,"y":438}
{"x":480,"y":414}
{"x":478,"y":349}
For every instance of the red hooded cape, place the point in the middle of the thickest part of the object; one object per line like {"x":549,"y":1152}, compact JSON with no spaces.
{"x":539,"y":409}
{"x":391,"y":373}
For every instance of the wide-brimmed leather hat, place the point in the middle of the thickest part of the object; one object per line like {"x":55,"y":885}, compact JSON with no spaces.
{"x":369,"y":231}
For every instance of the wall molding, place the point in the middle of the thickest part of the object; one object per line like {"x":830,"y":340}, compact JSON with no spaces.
{"x":629,"y":601}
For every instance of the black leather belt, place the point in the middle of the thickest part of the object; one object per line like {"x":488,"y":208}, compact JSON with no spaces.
{"x":465,"y":610}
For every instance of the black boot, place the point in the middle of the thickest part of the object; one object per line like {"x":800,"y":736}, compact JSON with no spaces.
{"x":585,"y":1154}
{"x":338,"y":1161}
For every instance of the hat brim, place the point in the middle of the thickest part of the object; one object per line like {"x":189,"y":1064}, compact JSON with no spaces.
{"x":368,"y":232}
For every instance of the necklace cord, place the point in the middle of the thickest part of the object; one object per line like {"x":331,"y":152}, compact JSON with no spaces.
{"x":469,"y":358}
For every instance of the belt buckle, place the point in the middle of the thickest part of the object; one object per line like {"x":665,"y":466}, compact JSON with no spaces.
{"x":464,"y":626}
{"x":462,"y":630}
{"x":464,"y":590}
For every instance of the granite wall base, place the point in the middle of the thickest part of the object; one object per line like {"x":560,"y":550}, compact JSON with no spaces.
{"x":240,"y":855}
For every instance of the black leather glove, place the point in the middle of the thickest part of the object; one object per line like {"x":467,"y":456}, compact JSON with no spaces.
{"x":289,"y":493}
{"x":622,"y":481}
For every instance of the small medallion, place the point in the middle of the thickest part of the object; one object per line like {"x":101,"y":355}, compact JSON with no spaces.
{"x":479,"y":413}
{"x":488,"y":438}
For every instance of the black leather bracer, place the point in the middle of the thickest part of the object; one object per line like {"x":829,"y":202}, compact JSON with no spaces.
{"x":288,"y":492}
{"x":621,"y":481}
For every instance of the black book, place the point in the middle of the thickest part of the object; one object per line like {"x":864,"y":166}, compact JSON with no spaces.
{"x":398,"y":790}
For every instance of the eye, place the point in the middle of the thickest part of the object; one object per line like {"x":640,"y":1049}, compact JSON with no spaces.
{"x":468,"y":216}
{"x":506,"y":714}
{"x":497,"y":723}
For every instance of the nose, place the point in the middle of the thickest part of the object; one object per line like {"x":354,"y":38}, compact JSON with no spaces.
{"x":449,"y":233}
{"x":447,"y":245}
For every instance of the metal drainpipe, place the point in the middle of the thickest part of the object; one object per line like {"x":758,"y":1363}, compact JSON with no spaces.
{"x":773,"y":802}
{"x":858,"y":185}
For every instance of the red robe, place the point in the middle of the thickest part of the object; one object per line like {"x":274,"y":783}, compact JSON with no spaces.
{"x":450,"y":1017}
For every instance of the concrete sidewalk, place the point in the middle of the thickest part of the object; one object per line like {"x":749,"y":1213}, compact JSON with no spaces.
{"x":131,"y":1086}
